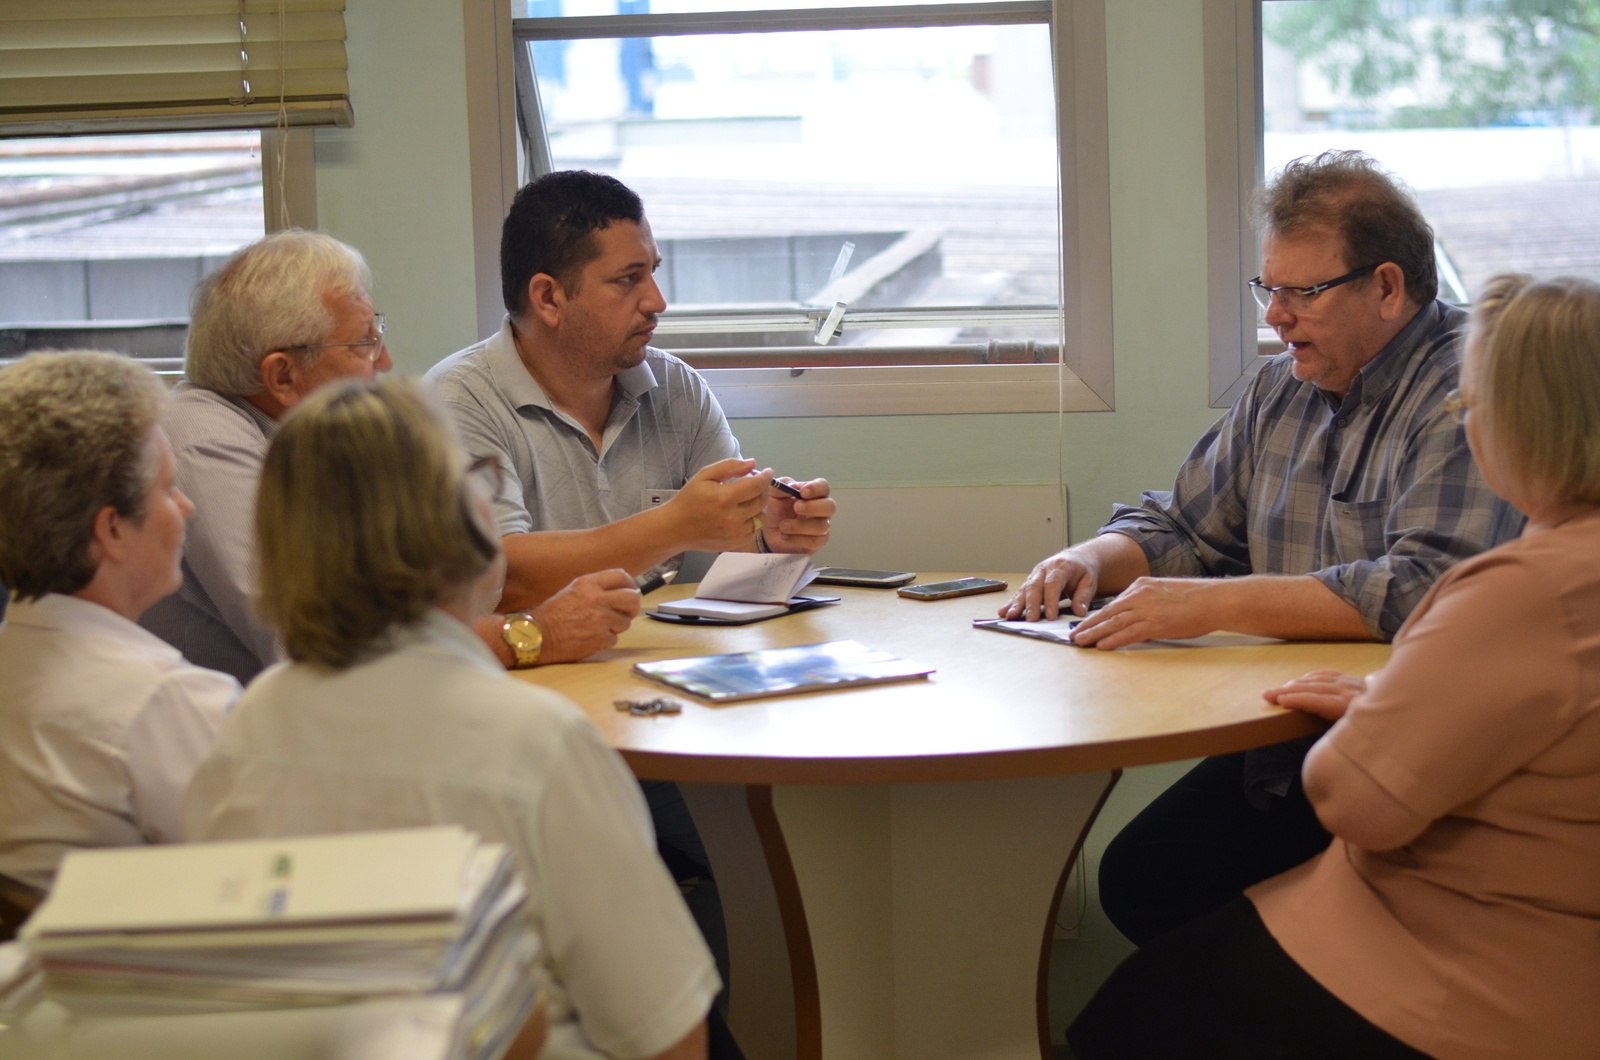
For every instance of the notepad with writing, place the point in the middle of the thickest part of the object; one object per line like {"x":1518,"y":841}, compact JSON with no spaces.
{"x":780,"y":671}
{"x":746,"y":587}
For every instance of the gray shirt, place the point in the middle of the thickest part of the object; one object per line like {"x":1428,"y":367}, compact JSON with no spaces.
{"x":664,"y":426}
{"x":219,"y":445}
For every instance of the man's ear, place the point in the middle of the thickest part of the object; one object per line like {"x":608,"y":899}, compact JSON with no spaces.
{"x":546,"y":299}
{"x":1392,"y":287}
{"x":280,"y":383}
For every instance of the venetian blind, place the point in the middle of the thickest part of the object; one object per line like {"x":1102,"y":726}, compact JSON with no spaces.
{"x":103,"y":66}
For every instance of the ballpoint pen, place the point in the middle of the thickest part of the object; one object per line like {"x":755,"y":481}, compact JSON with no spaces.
{"x":653,"y":579}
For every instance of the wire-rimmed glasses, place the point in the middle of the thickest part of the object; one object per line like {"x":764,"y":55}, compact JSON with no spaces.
{"x":1295,"y":299}
{"x":373,"y":344}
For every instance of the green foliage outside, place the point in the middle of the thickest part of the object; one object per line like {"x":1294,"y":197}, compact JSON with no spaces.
{"x":1478,"y":62}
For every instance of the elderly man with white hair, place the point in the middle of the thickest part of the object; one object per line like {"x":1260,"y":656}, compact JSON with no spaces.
{"x":280,"y":318}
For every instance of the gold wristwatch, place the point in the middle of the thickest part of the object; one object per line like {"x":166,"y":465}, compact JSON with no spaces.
{"x":524,"y":637}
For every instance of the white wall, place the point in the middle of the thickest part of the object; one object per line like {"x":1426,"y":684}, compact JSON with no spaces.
{"x":395,"y":185}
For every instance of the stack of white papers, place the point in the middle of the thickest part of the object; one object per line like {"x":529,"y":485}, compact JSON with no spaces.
{"x":287,"y":923}
{"x":19,"y":980}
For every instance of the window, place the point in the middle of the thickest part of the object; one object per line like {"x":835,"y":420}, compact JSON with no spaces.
{"x":1486,"y":108}
{"x":858,"y":208}
{"x":130,"y":160}
{"x":103,"y":237}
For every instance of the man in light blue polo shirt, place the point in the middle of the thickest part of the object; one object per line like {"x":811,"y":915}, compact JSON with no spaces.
{"x":620,"y":454}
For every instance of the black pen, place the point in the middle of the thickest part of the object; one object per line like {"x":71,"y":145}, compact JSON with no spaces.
{"x":653,"y":579}
{"x":793,"y":491}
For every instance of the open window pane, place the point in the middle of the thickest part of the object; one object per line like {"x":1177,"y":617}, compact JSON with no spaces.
{"x":102,"y":238}
{"x":1487,"y":108}
{"x":909,"y":173}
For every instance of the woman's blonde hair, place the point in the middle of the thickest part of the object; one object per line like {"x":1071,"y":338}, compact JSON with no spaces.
{"x":363,"y":521}
{"x":1535,"y":382}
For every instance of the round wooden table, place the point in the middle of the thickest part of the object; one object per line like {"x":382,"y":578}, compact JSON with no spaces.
{"x":890,"y":856}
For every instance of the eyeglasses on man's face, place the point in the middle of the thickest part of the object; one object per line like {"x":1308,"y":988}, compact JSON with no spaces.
{"x":372,"y":345}
{"x":1296,"y":299}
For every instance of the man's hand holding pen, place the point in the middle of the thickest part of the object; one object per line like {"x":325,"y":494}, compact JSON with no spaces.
{"x":798,"y":516}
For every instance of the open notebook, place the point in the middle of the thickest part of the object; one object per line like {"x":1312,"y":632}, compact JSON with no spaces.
{"x":746,"y":587}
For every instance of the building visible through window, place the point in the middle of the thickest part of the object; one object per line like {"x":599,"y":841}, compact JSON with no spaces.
{"x":102,"y":238}
{"x":902,"y":165}
{"x":1486,"y":108}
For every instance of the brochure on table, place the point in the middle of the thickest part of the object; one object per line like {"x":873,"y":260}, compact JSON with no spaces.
{"x":780,"y":671}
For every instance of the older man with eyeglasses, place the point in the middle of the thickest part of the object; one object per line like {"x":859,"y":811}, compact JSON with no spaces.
{"x":282,"y":317}
{"x":1321,"y":506}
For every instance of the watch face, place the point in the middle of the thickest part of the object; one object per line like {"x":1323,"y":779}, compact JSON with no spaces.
{"x":522,"y":633}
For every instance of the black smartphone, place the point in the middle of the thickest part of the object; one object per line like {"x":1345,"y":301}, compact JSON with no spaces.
{"x":956,"y":587}
{"x":877,"y":579}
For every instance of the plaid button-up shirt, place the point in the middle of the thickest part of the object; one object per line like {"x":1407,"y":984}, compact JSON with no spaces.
{"x":1374,"y":496}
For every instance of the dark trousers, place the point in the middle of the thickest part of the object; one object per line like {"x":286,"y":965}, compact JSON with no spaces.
{"x":1216,"y":831}
{"x":1221,"y":986}
{"x":678,"y":842}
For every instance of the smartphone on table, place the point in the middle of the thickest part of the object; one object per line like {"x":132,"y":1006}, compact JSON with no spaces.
{"x":954,"y":587}
{"x":883,"y":579}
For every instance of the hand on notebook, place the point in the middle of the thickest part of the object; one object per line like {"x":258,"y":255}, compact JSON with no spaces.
{"x":1061,"y":584}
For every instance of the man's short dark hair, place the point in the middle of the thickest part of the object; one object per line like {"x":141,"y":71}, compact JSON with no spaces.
{"x":1349,"y":193}
{"x":551,"y":227}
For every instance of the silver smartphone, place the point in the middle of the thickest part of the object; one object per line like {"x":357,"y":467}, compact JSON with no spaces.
{"x":955,"y":587}
{"x":882,"y":579}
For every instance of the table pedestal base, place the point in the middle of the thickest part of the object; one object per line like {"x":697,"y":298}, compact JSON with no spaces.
{"x":925,"y":910}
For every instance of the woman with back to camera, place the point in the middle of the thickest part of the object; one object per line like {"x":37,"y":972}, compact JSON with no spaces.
{"x":1457,"y":912}
{"x":377,"y":553}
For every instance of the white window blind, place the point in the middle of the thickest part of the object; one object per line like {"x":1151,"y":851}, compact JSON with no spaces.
{"x":97,"y":66}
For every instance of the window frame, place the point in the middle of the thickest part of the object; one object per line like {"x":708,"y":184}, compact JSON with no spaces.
{"x":1083,"y":380}
{"x":1233,"y":123}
